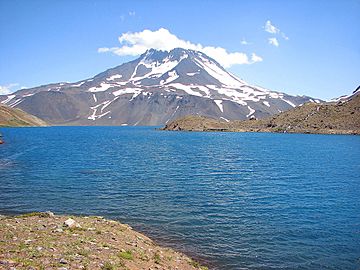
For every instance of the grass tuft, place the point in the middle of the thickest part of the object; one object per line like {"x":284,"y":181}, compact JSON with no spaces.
{"x":127,"y":255}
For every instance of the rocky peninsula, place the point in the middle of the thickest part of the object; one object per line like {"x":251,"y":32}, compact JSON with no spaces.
{"x":48,"y":241}
{"x":341,"y":117}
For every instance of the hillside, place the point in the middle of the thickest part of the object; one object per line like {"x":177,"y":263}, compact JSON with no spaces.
{"x":153,"y":89}
{"x":13,"y":117}
{"x":342,"y":117}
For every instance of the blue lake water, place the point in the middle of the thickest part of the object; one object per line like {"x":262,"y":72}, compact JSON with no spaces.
{"x":233,"y":200}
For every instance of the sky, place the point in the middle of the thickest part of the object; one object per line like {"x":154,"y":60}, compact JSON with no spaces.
{"x":302,"y":47}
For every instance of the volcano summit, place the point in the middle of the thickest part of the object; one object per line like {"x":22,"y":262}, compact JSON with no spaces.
{"x":153,"y":89}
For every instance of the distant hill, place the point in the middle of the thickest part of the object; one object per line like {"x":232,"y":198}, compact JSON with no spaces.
{"x":341,"y":117}
{"x":12,"y":117}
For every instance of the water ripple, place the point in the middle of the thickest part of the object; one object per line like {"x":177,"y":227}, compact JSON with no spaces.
{"x":236,"y":201}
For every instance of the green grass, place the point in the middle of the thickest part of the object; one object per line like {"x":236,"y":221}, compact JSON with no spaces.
{"x":127,"y":255}
{"x":198,"y":265}
{"x":157,"y":258}
{"x":108,"y":266}
{"x":33,"y":214}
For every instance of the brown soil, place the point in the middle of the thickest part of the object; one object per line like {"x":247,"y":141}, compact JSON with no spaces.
{"x":43,"y":241}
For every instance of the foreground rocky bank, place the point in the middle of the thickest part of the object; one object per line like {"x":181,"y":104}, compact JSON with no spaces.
{"x":48,"y":241}
{"x":342,"y":117}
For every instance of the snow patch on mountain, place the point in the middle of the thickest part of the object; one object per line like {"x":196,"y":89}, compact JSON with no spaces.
{"x":219,"y":104}
{"x":78,"y":84}
{"x":172,"y":77}
{"x":114,"y":77}
{"x":192,"y":73}
{"x":188,"y":89}
{"x":266,"y":103}
{"x":6,"y":101}
{"x":218,"y":73}
{"x":134,"y":91}
{"x":251,"y":111}
{"x":102,"y":87}
{"x":289,"y":102}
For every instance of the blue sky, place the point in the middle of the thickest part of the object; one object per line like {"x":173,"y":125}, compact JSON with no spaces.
{"x":317,"y":52}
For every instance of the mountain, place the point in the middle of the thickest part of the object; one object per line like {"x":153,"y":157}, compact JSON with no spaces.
{"x":12,"y":117}
{"x":341,"y":117}
{"x":154,"y":89}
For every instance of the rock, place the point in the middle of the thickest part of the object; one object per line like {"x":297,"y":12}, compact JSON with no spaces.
{"x":7,"y":262}
{"x":49,"y":214}
{"x":58,"y":230}
{"x":63,"y":261}
{"x":71,"y":223}
{"x":28,"y":241}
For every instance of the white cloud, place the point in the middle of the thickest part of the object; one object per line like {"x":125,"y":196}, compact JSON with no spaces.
{"x":138,"y":42}
{"x":284,"y":36}
{"x":8,"y":89}
{"x":131,"y":13}
{"x":244,"y":42}
{"x":273,"y":41}
{"x":255,"y":58}
{"x":271,"y":28}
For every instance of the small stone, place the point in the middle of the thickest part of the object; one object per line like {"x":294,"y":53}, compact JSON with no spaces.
{"x":62,"y":268}
{"x":28,"y":241}
{"x":72,"y":223}
{"x":6,"y":262}
{"x":50,"y":214}
{"x":39,"y":248}
{"x":58,"y":230}
{"x":63,"y":261}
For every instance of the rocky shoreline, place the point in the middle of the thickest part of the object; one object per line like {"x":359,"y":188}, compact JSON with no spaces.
{"x":341,"y":117}
{"x":48,"y":241}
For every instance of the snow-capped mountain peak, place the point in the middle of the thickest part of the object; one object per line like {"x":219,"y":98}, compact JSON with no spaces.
{"x":153,"y":89}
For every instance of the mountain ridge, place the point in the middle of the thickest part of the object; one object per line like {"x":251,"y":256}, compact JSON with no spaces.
{"x":153,"y":89}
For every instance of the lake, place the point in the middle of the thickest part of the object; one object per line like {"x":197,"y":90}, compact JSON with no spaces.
{"x":233,"y":200}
